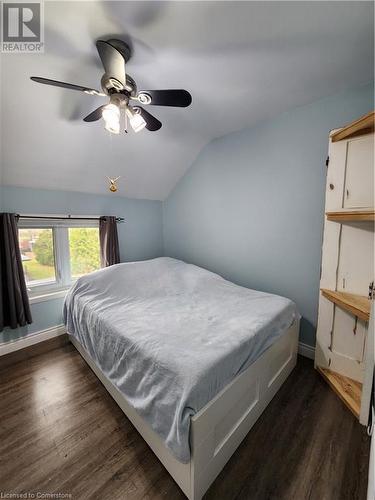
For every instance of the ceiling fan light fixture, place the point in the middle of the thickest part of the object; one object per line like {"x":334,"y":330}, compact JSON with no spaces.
{"x":137,"y":123}
{"x":136,"y":120}
{"x":111,"y":117}
{"x":113,"y":128}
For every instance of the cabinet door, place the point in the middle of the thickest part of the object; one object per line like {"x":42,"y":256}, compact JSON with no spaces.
{"x":359,"y":181}
{"x":355,"y":270}
{"x":348,"y":336}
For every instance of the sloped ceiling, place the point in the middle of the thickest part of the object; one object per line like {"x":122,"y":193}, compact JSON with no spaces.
{"x":242,"y":62}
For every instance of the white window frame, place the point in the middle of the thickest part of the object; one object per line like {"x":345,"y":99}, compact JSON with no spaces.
{"x":44,"y":291}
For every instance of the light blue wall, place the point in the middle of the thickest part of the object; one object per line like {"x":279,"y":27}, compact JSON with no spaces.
{"x":251,"y":206}
{"x":140,"y":237}
{"x":45,"y":315}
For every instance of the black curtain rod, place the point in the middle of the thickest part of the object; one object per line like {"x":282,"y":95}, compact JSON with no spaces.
{"x":68,"y":217}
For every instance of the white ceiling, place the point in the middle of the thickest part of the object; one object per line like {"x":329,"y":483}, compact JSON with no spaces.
{"x":242,"y":62}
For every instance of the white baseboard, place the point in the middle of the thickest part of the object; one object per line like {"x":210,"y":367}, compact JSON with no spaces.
{"x":32,"y":339}
{"x":306,"y":350}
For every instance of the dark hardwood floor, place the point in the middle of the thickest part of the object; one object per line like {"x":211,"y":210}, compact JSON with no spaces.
{"x":60,"y":432}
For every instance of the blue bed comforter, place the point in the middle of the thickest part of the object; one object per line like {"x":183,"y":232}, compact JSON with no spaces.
{"x":171,"y":335}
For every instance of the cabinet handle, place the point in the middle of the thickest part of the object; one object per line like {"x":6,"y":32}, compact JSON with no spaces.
{"x":355,"y":325}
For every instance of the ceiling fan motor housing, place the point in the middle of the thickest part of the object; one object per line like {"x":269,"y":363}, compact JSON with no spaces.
{"x":111,"y":85}
{"x":119,"y":99}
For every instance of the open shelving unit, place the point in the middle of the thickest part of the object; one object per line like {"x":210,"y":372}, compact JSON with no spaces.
{"x":359,"y":305}
{"x":360,"y":215}
{"x":344,"y":354}
{"x":347,"y":389}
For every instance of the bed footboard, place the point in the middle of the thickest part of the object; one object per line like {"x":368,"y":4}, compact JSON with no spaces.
{"x":218,"y":429}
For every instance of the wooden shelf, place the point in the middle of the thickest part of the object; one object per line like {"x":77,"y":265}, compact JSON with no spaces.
{"x":358,"y":305}
{"x":360,"y":215}
{"x":364,"y":125}
{"x":348,"y":390}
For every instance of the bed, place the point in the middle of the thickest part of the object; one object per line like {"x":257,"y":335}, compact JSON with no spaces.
{"x":191,"y":358}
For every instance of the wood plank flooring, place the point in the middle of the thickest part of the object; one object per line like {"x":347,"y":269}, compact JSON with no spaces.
{"x":60,"y":432}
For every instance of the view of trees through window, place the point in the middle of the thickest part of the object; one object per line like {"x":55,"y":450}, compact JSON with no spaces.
{"x":38,"y":254}
{"x":84,"y":250}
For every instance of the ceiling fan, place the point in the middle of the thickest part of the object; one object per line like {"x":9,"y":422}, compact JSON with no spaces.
{"x":124,"y":97}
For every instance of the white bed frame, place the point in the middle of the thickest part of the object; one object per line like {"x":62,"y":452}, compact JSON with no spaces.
{"x":217,"y":429}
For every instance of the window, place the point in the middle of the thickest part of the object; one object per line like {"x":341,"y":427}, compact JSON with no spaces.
{"x":55,"y":255}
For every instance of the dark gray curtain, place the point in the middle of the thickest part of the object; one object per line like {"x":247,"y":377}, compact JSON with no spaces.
{"x":109,"y":248}
{"x":14,"y":302}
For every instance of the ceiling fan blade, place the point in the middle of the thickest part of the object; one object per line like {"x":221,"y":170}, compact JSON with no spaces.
{"x":65,"y":85}
{"x":173,"y":97}
{"x":95,"y":115}
{"x":152,"y":123}
{"x":112,"y":60}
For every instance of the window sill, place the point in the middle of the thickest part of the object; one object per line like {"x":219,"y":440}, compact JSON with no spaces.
{"x":43,"y":297}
